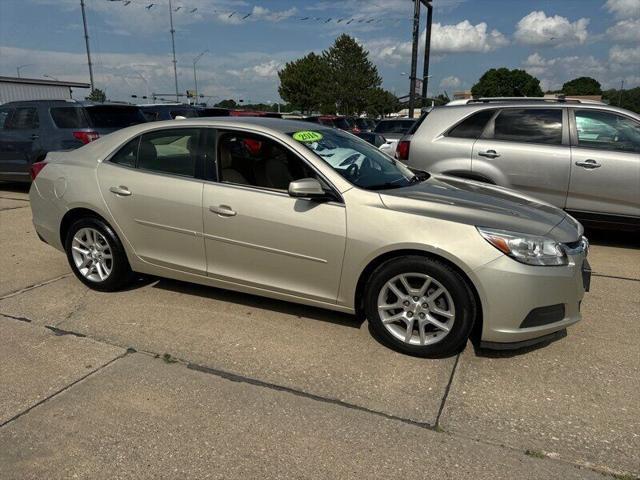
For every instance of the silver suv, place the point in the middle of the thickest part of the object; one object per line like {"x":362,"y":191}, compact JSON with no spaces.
{"x":578,"y":155}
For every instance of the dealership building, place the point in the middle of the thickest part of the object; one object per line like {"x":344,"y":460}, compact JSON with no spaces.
{"x":15,"y":88}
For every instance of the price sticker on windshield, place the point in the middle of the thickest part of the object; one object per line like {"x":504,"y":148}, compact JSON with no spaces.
{"x":307,"y":136}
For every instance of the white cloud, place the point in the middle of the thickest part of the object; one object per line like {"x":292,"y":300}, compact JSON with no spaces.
{"x":553,"y":72}
{"x":248,"y":75}
{"x":624,"y":56}
{"x":450,"y":82}
{"x":465,"y":37}
{"x":459,"y":38}
{"x":626,"y":31}
{"x":538,"y":29}
{"x":624,"y":8}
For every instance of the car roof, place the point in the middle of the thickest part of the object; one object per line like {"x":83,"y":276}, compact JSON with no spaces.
{"x":68,"y":103}
{"x":469,"y":107}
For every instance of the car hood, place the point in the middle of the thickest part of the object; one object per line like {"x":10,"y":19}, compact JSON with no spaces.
{"x":482,"y":205}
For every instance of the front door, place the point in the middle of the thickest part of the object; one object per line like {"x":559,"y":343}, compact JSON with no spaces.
{"x":605,"y":164}
{"x":259,"y":236}
{"x":151,"y":189}
{"x":526,"y":149}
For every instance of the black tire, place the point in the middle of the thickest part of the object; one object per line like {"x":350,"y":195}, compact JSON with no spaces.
{"x":463,"y":301}
{"x":121,"y":275}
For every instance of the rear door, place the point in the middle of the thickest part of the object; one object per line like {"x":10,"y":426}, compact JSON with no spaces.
{"x":20,"y":141}
{"x":153,"y":191}
{"x":605,"y":163}
{"x":527,"y":148}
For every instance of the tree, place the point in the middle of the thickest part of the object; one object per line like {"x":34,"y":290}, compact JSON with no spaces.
{"x":502,"y":82}
{"x":629,"y":99}
{"x":381,"y":102}
{"x":304,"y":82}
{"x":97,"y":95}
{"x":230,"y":103}
{"x":582,"y":86}
{"x":352,"y":76}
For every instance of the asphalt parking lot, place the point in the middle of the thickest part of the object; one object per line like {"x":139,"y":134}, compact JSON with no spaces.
{"x":174,"y":380}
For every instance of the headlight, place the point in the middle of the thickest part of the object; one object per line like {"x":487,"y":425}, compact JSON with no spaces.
{"x":529,"y":249}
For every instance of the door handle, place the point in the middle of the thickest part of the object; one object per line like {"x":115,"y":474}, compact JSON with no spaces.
{"x":223,"y":210}
{"x":489,"y":154}
{"x":121,"y":190}
{"x":588,"y":164}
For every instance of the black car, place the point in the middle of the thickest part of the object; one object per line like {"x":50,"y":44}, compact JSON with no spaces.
{"x":374,"y":139}
{"x":30,"y":129}
{"x":168,"y":111}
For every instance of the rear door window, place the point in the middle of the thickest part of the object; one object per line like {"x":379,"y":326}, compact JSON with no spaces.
{"x":113,"y":116}
{"x":174,"y":151}
{"x":23,"y":118}
{"x":473,"y":126}
{"x":68,"y":117}
{"x":529,"y":125}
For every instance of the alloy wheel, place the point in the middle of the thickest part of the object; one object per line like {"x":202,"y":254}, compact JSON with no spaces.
{"x":92,"y":254}
{"x":416,"y":309}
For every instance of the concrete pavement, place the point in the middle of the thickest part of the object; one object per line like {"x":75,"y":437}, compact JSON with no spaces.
{"x":270,"y":389}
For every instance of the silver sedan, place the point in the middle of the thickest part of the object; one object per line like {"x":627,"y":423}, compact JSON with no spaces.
{"x":314,"y":215}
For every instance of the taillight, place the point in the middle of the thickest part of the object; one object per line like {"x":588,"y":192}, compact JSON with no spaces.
{"x":36,"y":168}
{"x":402,"y":150}
{"x":86,"y":137}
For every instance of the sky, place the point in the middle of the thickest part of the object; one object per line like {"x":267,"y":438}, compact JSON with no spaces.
{"x":247,"y":42}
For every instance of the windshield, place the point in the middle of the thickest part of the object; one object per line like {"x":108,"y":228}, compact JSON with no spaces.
{"x":394,"y":126}
{"x":357,"y":161}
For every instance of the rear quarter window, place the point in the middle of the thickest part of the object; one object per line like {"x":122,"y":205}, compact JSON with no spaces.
{"x":473,"y":126}
{"x":68,"y":117}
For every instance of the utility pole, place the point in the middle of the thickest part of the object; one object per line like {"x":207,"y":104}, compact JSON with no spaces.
{"x":427,"y":50}
{"x":414,"y":56}
{"x":86,"y":41}
{"x":620,"y":94}
{"x":173,"y":48}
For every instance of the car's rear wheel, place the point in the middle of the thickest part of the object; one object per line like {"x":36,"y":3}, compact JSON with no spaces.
{"x":420,"y":306}
{"x":96,"y":255}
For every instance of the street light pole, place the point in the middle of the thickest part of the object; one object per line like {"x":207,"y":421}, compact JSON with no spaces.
{"x":20,"y":67}
{"x":173,"y":48}
{"x":86,"y":42}
{"x":195,"y":76}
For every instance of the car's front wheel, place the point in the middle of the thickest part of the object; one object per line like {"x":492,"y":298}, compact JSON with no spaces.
{"x":420,"y":306}
{"x":97,"y":256}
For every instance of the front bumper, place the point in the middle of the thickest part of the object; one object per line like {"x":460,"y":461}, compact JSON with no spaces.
{"x":514,"y":292}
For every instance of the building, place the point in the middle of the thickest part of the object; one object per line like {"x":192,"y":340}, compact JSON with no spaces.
{"x":14,"y":88}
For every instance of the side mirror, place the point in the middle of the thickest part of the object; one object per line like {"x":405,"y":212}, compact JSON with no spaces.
{"x":307,"y":188}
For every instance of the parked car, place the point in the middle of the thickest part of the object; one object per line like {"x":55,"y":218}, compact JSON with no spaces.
{"x":254,"y":113}
{"x":374,"y":139}
{"x":213,"y":112}
{"x":361,"y":124}
{"x":315,"y":216}
{"x":335,"y":121}
{"x":582,"y":156}
{"x":168,"y":111}
{"x":30,"y":129}
{"x":393,"y":130}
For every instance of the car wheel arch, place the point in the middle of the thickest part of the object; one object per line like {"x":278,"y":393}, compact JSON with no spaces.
{"x":386,"y":256}
{"x":76,"y":214}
